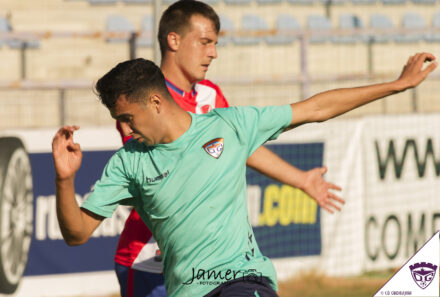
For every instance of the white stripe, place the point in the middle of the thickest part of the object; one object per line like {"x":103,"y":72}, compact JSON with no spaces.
{"x":145,"y":259}
{"x":90,"y":138}
{"x":205,"y":96}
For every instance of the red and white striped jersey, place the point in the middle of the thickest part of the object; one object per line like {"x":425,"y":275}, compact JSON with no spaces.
{"x":204,"y":97}
{"x":136,"y":247}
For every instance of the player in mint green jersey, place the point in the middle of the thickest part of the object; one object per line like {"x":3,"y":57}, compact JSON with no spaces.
{"x":187,"y":172}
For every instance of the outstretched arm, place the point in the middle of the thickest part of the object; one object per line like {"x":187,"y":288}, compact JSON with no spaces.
{"x":311,"y":182}
{"x":329,"y":104}
{"x":75,"y":223}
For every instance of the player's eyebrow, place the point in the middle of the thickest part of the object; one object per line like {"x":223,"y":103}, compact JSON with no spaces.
{"x":122,"y":117}
{"x":207,"y":39}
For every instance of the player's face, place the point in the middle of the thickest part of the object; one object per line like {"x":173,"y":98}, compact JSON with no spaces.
{"x":138,"y":120}
{"x":197,"y":49}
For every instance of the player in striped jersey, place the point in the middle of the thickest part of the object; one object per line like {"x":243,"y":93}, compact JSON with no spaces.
{"x":188,"y":33}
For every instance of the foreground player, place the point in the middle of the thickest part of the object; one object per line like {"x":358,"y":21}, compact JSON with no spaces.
{"x":188,"y":33}
{"x":185,"y":174}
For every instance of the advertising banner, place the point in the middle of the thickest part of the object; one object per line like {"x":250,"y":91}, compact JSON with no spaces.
{"x":286,"y":220}
{"x":387,"y":166}
{"x":402,"y":184}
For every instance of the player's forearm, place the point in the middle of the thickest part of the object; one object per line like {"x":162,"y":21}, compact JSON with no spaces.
{"x":69,"y":214}
{"x":268,"y":163}
{"x":336,"y":102}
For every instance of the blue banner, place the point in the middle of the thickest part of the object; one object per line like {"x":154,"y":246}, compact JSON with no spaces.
{"x":48,"y":253}
{"x":289,"y":221}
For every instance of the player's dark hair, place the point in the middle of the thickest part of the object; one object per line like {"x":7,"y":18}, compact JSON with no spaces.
{"x":176,"y":18}
{"x":134,"y":79}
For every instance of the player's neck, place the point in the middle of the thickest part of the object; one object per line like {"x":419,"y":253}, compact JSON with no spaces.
{"x":177,"y":124}
{"x":175,"y":75}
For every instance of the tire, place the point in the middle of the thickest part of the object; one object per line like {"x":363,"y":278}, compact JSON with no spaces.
{"x":16,"y":212}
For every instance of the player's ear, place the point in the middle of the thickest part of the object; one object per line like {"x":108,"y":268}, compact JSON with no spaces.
{"x":173,"y":40}
{"x":155,"y":101}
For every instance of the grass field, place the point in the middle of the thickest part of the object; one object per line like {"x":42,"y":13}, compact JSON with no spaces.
{"x":318,"y":285}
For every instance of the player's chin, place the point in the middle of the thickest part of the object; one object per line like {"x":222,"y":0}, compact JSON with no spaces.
{"x":203,"y":72}
{"x":200,"y":77}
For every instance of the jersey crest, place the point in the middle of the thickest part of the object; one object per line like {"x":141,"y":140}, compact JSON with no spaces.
{"x":214,"y":147}
{"x":423,"y":273}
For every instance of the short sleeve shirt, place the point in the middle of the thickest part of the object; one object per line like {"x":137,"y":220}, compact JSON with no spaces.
{"x":134,"y":248}
{"x":191,"y":193}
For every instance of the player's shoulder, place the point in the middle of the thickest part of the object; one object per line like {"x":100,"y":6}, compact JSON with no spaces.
{"x":247,"y":112}
{"x":231,"y":113}
{"x":208,"y":83}
{"x":132,"y":148}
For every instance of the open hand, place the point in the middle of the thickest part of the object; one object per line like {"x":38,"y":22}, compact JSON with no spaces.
{"x":67,"y":155}
{"x":413,"y":74}
{"x":317,"y":188}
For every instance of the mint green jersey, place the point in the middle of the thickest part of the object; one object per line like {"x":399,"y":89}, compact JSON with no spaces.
{"x":191,"y":193}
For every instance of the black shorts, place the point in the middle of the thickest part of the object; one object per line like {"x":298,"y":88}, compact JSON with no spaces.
{"x":244,"y":288}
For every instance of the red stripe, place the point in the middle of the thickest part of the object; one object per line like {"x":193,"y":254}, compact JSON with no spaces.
{"x":132,"y":239}
{"x":130,"y":283}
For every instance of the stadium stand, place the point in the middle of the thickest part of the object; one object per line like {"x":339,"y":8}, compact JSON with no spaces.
{"x":226,"y":25}
{"x":393,"y":2}
{"x":363,"y":2}
{"x":262,"y":2}
{"x":434,"y":37}
{"x":274,"y":58}
{"x":284,"y":23}
{"x":333,"y":2}
{"x":4,"y":28}
{"x":251,"y":24}
{"x":137,"y":1}
{"x":381,"y":22}
{"x":238,"y":2}
{"x":306,"y":2}
{"x":118,"y":24}
{"x":101,"y":2}
{"x":350,"y":22}
{"x":318,"y":23}
{"x":212,"y":2}
{"x":412,"y":20}
{"x":147,"y":31}
{"x":14,"y":43}
{"x":424,"y":1}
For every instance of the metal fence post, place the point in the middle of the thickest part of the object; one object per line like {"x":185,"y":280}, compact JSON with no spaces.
{"x":62,"y":106}
{"x":23,"y":48}
{"x":414,"y":100}
{"x":132,"y":45}
{"x":370,"y":55}
{"x":305,"y":81}
{"x":156,"y":18}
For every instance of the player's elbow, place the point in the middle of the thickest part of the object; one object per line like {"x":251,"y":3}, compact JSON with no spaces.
{"x":321,"y":109}
{"x":75,"y":240}
{"x":322,"y":116}
{"x":308,"y":111}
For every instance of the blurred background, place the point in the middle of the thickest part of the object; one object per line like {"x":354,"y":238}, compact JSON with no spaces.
{"x":385,"y":155}
{"x":271,"y":52}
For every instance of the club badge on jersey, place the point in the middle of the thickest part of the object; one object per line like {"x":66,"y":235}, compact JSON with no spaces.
{"x":214,"y":147}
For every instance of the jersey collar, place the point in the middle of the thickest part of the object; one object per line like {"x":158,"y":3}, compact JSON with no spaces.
{"x":177,"y":89}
